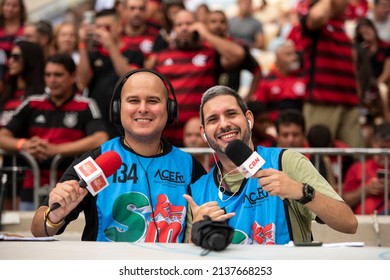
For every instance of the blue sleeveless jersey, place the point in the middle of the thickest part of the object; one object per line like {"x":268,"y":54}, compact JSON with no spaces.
{"x":260,"y":218}
{"x":144,"y":200}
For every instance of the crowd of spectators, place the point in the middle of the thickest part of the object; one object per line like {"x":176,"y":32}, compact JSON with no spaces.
{"x":340,"y":82}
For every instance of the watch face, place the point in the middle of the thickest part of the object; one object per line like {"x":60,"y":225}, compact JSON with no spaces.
{"x":308,"y":194}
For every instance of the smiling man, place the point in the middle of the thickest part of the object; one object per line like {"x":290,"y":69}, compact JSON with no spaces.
{"x":273,"y":206}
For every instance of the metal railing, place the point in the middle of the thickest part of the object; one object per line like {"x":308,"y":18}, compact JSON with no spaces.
{"x":358,"y":153}
{"x":14,"y":169}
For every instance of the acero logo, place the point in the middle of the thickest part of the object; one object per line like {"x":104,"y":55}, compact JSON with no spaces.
{"x":253,"y":197}
{"x":170,"y":176}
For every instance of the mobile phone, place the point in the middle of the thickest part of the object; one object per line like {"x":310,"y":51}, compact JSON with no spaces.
{"x":380,"y":174}
{"x":308,"y":244}
{"x":89,"y":17}
{"x":195,"y":36}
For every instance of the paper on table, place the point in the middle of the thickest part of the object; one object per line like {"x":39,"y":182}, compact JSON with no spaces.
{"x":6,"y":237}
{"x":344,"y":244}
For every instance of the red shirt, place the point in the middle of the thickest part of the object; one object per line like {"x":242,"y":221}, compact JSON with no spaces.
{"x":356,"y":10}
{"x":7,"y":41}
{"x":143,"y":42}
{"x":279,"y":92}
{"x":353,"y":181}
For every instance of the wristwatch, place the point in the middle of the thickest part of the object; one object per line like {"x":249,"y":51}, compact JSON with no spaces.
{"x":308,"y":194}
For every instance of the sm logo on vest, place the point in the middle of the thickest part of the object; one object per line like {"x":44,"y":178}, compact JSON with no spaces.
{"x":259,"y":235}
{"x":134,"y":213}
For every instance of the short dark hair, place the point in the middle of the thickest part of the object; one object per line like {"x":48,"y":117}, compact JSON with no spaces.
{"x":290,"y":116}
{"x":65,"y":60}
{"x":319,"y":135}
{"x":107,"y":12}
{"x":219,"y":91}
{"x":257,"y":108}
{"x":44,"y":27}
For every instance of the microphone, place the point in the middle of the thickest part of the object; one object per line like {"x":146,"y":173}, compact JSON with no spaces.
{"x":248,"y":162}
{"x":107,"y":163}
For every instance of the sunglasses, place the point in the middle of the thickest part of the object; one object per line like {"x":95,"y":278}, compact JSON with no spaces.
{"x":15,"y":56}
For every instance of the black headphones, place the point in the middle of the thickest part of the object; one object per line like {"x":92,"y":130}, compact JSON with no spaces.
{"x":211,"y":235}
{"x":115,"y":104}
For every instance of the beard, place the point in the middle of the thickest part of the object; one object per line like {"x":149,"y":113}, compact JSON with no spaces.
{"x":188,"y":44}
{"x":294,"y":66}
{"x":247,"y":136}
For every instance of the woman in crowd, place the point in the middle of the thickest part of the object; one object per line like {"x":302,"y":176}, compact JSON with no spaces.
{"x":12,"y":18}
{"x":379,"y":51}
{"x":25,"y":64}
{"x":25,"y":77}
{"x":66,"y":40}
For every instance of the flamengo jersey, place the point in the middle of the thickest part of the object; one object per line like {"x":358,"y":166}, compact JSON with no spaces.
{"x":329,"y":64}
{"x":280,"y":92}
{"x":143,"y":189}
{"x":191,"y":73}
{"x":143,"y":42}
{"x":7,"y":41}
{"x":260,"y":218}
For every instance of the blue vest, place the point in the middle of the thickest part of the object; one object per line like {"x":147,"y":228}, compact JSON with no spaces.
{"x":144,"y":200}
{"x":260,"y":218}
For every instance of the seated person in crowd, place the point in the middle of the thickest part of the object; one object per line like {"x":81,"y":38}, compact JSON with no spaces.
{"x":55,"y":123}
{"x":291,"y":129}
{"x":374,"y":184}
{"x":144,"y":199}
{"x":279,"y":202}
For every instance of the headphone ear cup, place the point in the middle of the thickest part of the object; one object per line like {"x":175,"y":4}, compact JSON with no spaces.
{"x":115,"y":116}
{"x":172,"y":111}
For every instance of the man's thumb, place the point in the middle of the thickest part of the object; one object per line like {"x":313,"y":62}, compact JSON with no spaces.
{"x":190,"y":201}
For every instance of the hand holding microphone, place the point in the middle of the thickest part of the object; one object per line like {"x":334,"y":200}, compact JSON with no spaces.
{"x":249,"y":164}
{"x":70,"y":194}
{"x":93,"y":175}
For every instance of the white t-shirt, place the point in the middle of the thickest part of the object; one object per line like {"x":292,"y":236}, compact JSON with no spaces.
{"x":383,"y":28}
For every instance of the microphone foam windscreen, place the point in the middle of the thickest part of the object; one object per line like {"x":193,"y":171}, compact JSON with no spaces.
{"x":238,"y":152}
{"x":109,"y":162}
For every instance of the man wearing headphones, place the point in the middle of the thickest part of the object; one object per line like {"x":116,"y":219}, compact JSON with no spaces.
{"x":279,"y":202}
{"x":144,"y":199}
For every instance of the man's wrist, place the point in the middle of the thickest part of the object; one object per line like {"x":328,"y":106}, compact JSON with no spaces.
{"x":20,"y":143}
{"x":49,"y":223}
{"x":308,"y":194}
{"x":82,"y":45}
